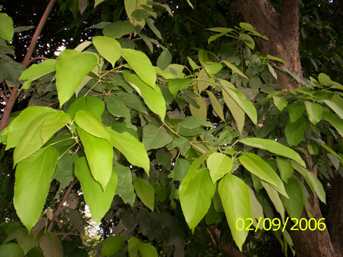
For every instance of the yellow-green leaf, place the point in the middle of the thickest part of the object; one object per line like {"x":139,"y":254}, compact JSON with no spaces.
{"x":32,"y":183}
{"x":40,"y":130}
{"x":260,"y":168}
{"x":99,"y":153}
{"x":17,"y":128}
{"x":141,"y":64}
{"x":273,"y":147}
{"x":91,"y":124}
{"x":6,"y":27}
{"x":195,"y":193}
{"x":133,"y":150}
{"x":216,"y":105}
{"x":152,"y":97}
{"x":71,"y":69}
{"x":145,"y":192}
{"x":236,"y":111}
{"x":234,"y":69}
{"x":98,"y":200}
{"x":219,"y":165}
{"x":108,"y":48}
{"x":236,"y":201}
{"x":246,"y":105}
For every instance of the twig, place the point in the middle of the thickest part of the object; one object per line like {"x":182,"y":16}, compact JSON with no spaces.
{"x":27,"y":59}
{"x":60,"y":206}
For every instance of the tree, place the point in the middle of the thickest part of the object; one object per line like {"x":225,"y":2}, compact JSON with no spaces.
{"x":185,"y":158}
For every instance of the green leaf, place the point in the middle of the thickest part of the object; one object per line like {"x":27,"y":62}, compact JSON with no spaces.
{"x":99,"y":200}
{"x":312,"y":180}
{"x":285,"y":168}
{"x":90,"y":124}
{"x":248,"y":40}
{"x":71,"y":68}
{"x":147,"y":250}
{"x":234,"y":69}
{"x":38,"y":132}
{"x":155,"y":137}
{"x":192,"y":63}
{"x":245,"y":104}
{"x":32,"y":184}
{"x":99,"y":153}
{"x":180,"y":170}
{"x":145,"y":192}
{"x":141,"y":64}
{"x":164,"y":59}
{"x":325,"y":79}
{"x":295,"y":132}
{"x":154,"y":29}
{"x":111,"y":245}
{"x":134,"y":6}
{"x":260,"y":168}
{"x":125,"y":187}
{"x":336,"y":104}
{"x":275,"y":198}
{"x":117,"y":107}
{"x":37,"y":71}
{"x":273,"y":147}
{"x":97,"y":2}
{"x":314,"y":112}
{"x":133,"y":150}
{"x":152,"y":97}
{"x":196,"y":192}
{"x":295,"y":203}
{"x":212,"y":68}
{"x":108,"y":48}
{"x":137,"y":248}
{"x":176,"y":85}
{"x":190,"y":4}
{"x":91,"y":104}
{"x":17,"y":128}
{"x":295,"y":111}
{"x":6,"y":28}
{"x":192,"y":122}
{"x":334,"y":121}
{"x":10,"y":249}
{"x":236,"y":111}
{"x":235,"y":198}
{"x":219,"y":165}
{"x":64,"y":170}
{"x":118,"y":29}
{"x":280,"y":102}
{"x":199,"y":109}
{"x":216,"y":105}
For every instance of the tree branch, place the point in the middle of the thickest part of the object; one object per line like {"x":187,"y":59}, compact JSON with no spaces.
{"x":27,"y":59}
{"x":60,"y":206}
{"x":290,"y":18}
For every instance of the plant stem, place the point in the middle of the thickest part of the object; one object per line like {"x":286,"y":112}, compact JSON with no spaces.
{"x":27,"y":59}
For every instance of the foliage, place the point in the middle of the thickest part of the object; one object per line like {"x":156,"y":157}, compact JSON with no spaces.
{"x":200,"y":143}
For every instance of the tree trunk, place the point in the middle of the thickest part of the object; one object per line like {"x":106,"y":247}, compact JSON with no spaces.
{"x":282,"y":29}
{"x":335,"y":216}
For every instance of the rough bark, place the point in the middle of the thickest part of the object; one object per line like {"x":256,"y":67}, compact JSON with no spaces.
{"x":335,"y":216}
{"x":314,"y":243}
{"x":282,"y":29}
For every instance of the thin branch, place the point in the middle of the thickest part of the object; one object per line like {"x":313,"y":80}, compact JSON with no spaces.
{"x":27,"y":59}
{"x":38,"y":32}
{"x":60,"y":206}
